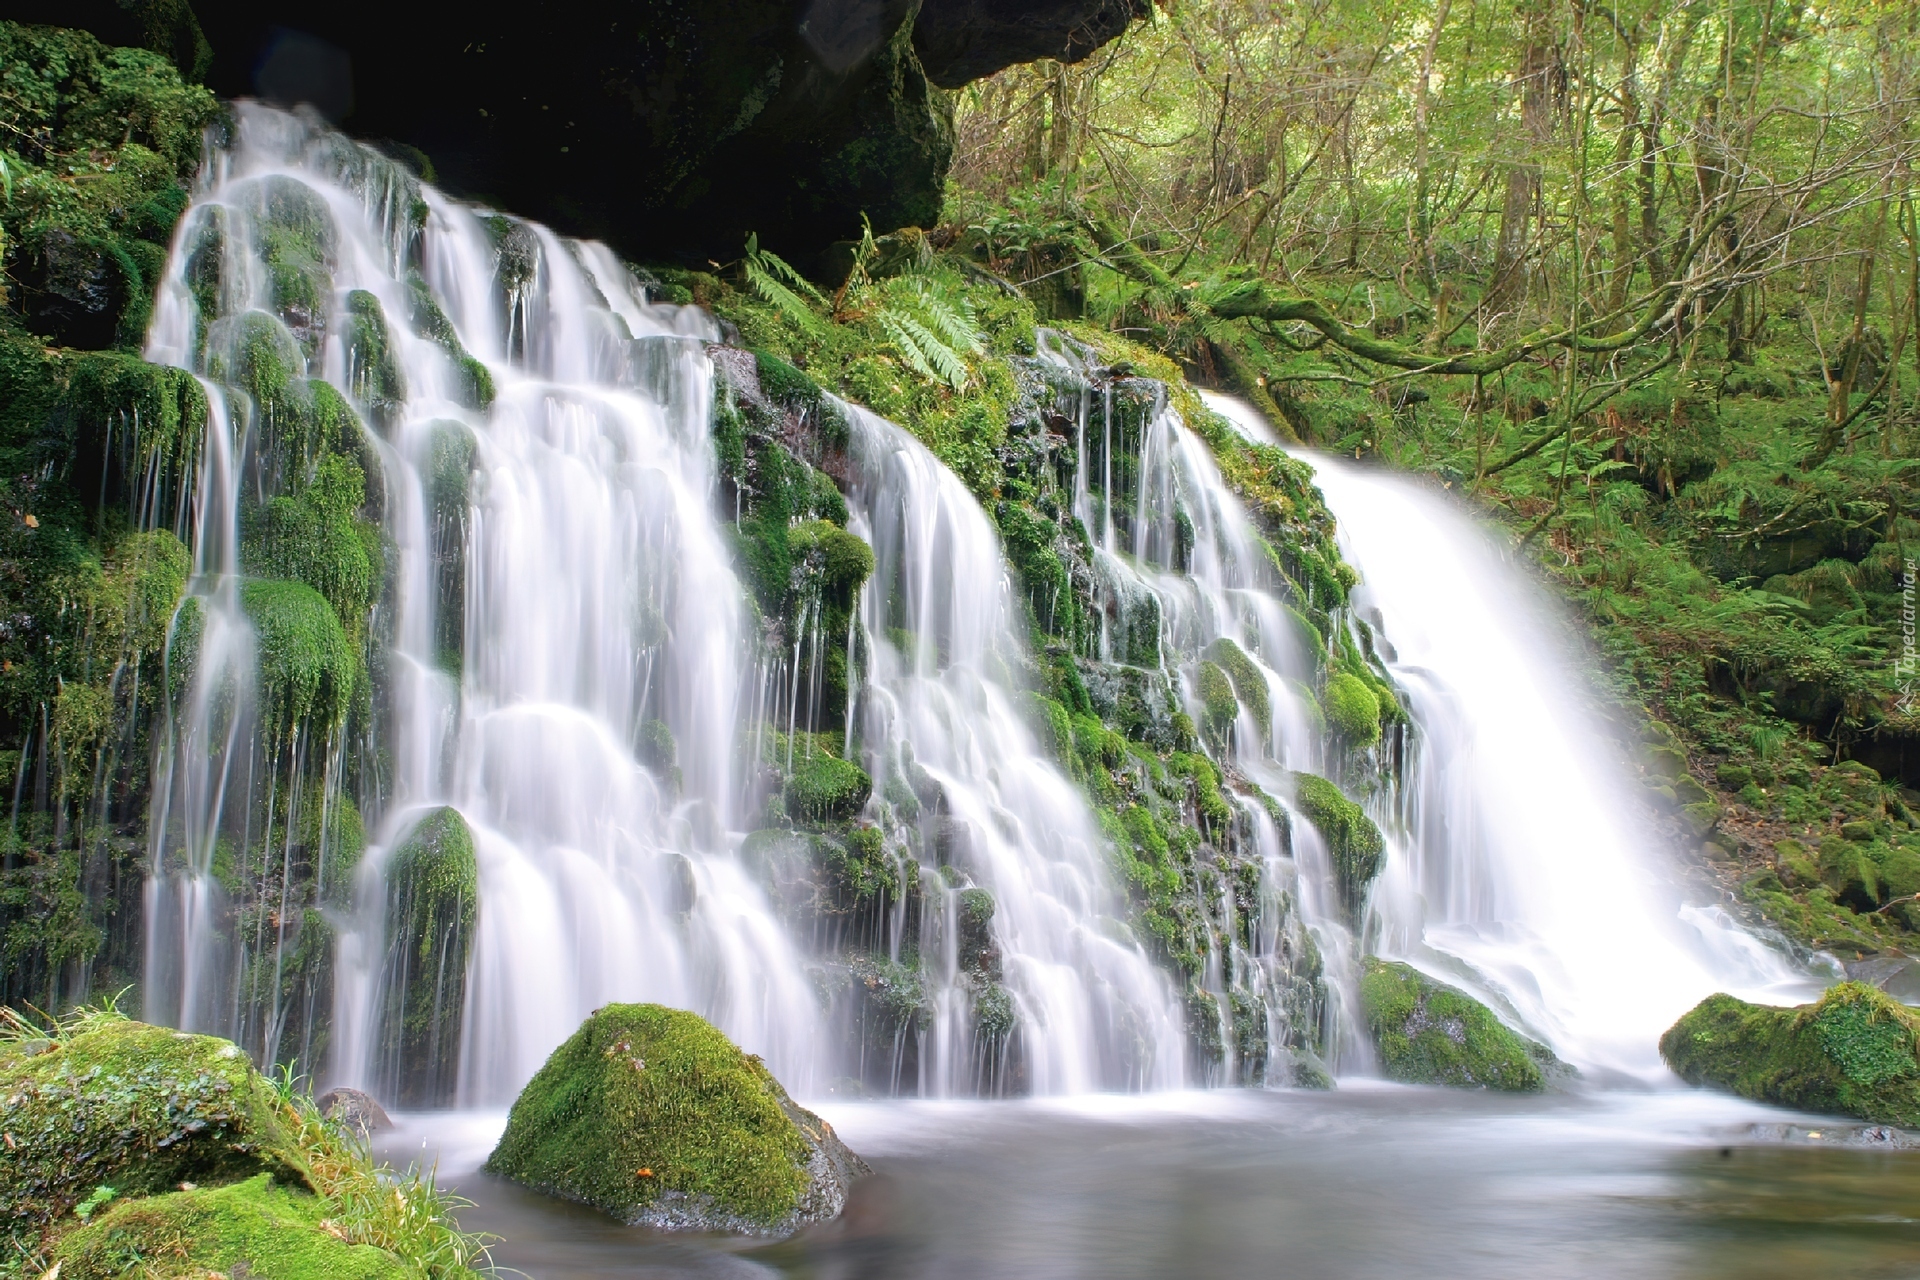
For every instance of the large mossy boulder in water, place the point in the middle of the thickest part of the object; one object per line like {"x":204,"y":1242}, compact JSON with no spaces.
{"x":433,"y":900}
{"x":135,"y":1107}
{"x":1429,"y":1033}
{"x":1856,"y":1052}
{"x":653,"y":1116}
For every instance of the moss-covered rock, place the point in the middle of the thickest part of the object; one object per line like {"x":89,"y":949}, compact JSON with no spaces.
{"x":433,"y":897}
{"x":1355,"y":843}
{"x":1249,"y":685}
{"x":824,"y":788}
{"x":655,"y":1117}
{"x":1430,"y":1033}
{"x":1855,"y":1051}
{"x":256,"y":1227}
{"x":1352,"y":709}
{"x":1218,"y":706}
{"x":135,"y":1107}
{"x":306,"y":665}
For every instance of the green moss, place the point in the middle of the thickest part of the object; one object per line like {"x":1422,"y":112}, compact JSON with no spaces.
{"x":1855,"y":1051}
{"x":845,"y":562}
{"x":433,"y":894}
{"x":822,"y":788}
{"x":1209,"y":801}
{"x":372,"y":369}
{"x":1430,"y":1033}
{"x":1249,"y":684}
{"x":252,"y":1227}
{"x":315,"y":535}
{"x":1355,"y":843}
{"x":1218,"y":706}
{"x":1352,"y":709}
{"x":307,"y":667}
{"x":859,"y":870}
{"x":645,"y":1108}
{"x":135,"y":1107}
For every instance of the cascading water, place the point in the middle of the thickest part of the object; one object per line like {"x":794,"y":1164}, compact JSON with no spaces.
{"x":1174,"y":549}
{"x":940,"y":718}
{"x":548,"y":712}
{"x":1518,"y":871}
{"x":564,"y":531}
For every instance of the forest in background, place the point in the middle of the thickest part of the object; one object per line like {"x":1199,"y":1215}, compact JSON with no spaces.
{"x":1639,"y":279}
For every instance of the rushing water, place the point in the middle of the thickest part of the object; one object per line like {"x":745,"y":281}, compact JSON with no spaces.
{"x":1371,"y":1182}
{"x":1515,"y":866}
{"x":1095,"y":1012}
{"x":571,"y":603}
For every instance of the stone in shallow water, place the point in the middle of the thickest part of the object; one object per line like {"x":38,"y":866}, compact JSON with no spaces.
{"x":1856,"y":1051}
{"x":354,"y":1110}
{"x":655,"y":1117}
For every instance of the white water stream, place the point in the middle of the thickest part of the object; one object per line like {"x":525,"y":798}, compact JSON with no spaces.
{"x":1516,"y":867}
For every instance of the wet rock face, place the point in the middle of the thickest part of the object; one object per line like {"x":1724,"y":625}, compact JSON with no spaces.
{"x":962,"y":40}
{"x":75,"y":288}
{"x":675,"y":127}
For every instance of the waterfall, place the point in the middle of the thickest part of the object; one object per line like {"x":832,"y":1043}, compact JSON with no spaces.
{"x":1172,"y":545}
{"x":557,"y":588}
{"x":1516,"y":867}
{"x":940,"y":707}
{"x":472,"y":705}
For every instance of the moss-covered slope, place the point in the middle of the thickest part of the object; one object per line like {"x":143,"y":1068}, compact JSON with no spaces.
{"x":652,"y":1115}
{"x":1856,"y":1051}
{"x":137,"y":1107}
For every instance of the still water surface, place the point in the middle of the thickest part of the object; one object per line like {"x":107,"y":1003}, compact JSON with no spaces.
{"x":1369,"y":1181}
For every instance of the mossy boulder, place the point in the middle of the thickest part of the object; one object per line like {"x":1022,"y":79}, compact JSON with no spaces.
{"x":1218,"y":706}
{"x":652,"y":1115}
{"x":257,"y":1227}
{"x":1429,"y":1033}
{"x":1249,"y":684}
{"x":307,"y":666}
{"x":1357,"y":848}
{"x":135,"y":1107}
{"x":1352,"y":709}
{"x":1856,"y":1051}
{"x":433,"y":896}
{"x":824,"y":788}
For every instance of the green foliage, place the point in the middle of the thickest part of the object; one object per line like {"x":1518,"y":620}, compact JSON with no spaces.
{"x":645,"y":1106}
{"x":769,"y":276}
{"x":1430,"y":1033}
{"x":1855,"y":1051}
{"x":1249,"y":684}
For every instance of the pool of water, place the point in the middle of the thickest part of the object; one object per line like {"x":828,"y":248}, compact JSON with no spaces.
{"x":1366,"y":1181}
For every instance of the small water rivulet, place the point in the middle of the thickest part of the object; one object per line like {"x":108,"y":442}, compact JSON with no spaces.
{"x":1516,"y":867}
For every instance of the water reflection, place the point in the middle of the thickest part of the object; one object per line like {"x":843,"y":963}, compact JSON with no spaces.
{"x":1361,"y":1183}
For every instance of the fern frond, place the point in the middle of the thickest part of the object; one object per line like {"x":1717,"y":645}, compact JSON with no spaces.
{"x":951,"y":369}
{"x":952,"y":320}
{"x":903,"y":339}
{"x":777,"y":295}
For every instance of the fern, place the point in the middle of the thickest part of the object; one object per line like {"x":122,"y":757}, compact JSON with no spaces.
{"x":770,"y":277}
